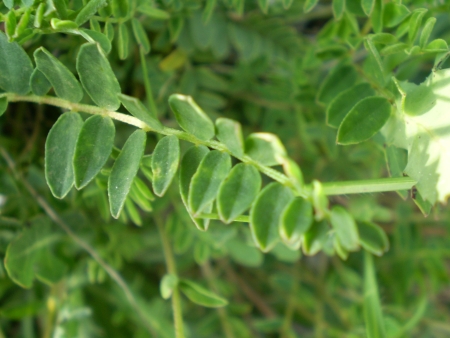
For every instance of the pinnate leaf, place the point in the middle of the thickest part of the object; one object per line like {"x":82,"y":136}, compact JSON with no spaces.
{"x":190,"y":117}
{"x":59,"y":151}
{"x":16,"y":67}
{"x":201,"y":296}
{"x":364,"y":120}
{"x":94,"y":145}
{"x":265,"y":214}
{"x":165,"y":159}
{"x":238,"y":191}
{"x":63,"y":81}
{"x":205,"y":183}
{"x":97,"y":76}
{"x":124,"y":171}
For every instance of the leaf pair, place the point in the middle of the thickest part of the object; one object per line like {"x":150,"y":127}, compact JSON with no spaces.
{"x":276,"y":212}
{"x":75,"y":151}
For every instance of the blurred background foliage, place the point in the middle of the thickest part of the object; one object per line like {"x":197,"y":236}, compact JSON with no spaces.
{"x":261,"y":63}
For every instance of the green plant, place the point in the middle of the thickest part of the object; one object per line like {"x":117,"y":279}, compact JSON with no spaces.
{"x":281,"y":67}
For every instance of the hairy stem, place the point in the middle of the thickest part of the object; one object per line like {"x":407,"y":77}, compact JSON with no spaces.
{"x":172,"y":269}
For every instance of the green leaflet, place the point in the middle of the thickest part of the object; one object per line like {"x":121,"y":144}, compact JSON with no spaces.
{"x":365,"y":119}
{"x":98,"y":37}
{"x":377,"y":16}
{"x":39,"y":15}
{"x":199,"y":295}
{"x":266,"y":148}
{"x":167,"y":285}
{"x":3,"y":105}
{"x":345,"y":101}
{"x":208,"y":11}
{"x":138,"y":110}
{"x":202,"y":252}
{"x":109,"y":31}
{"x":8,"y":3}
{"x":152,"y":12}
{"x":338,"y":8}
{"x":367,"y":6}
{"x":59,"y":151}
{"x":165,"y":159}
{"x":63,"y":25}
{"x":345,"y":227}
{"x":394,"y":14}
{"x":205,"y":183}
{"x":120,"y":8}
{"x":88,"y":10}
{"x":140,"y":35}
{"x":340,"y":79}
{"x":373,"y":238}
{"x":293,"y":171}
{"x":309,"y":5}
{"x":64,"y":83}
{"x":229,"y":132}
{"x":417,"y":99}
{"x":426,"y":32}
{"x":93,"y":148}
{"x":415,"y":22}
{"x":315,"y":238}
{"x":124,"y":170}
{"x":16,"y":67}
{"x":264,"y":5}
{"x":437,"y":46}
{"x":373,"y":315}
{"x":244,"y":254}
{"x":266,"y":212}
{"x":10,"y":24}
{"x":189,"y":164}
{"x":97,"y":77}
{"x":296,"y":220}
{"x":28,"y":256}
{"x":39,"y":83}
{"x":123,"y":41}
{"x":132,"y":212}
{"x":190,"y":117}
{"x":238,"y":191}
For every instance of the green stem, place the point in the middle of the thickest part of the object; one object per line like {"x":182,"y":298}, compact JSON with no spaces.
{"x":172,"y":269}
{"x":368,"y":186}
{"x":332,"y":188}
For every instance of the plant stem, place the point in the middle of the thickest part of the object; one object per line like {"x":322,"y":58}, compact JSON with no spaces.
{"x":172,"y":269}
{"x":368,"y":186}
{"x":332,"y":188}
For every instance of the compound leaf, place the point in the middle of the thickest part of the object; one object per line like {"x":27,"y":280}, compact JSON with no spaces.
{"x":238,"y":191}
{"x":364,"y":120}
{"x":165,"y":159}
{"x":201,"y":296}
{"x":65,"y":84}
{"x":205,"y":183}
{"x":94,"y":145}
{"x":16,"y":67}
{"x":124,"y":170}
{"x":265,"y":214}
{"x":190,"y":117}
{"x":59,"y":151}
{"x":97,"y":76}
